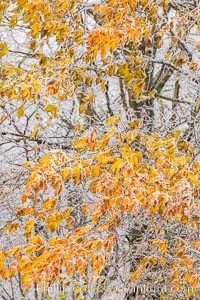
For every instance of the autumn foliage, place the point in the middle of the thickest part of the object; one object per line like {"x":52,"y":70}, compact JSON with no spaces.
{"x":103,"y":190}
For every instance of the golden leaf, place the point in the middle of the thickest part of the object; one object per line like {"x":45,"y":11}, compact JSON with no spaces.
{"x":114,"y":120}
{"x":111,"y":70}
{"x":135,"y":275}
{"x":35,"y":27}
{"x":3,"y":49}
{"x":184,"y":220}
{"x":103,"y":88}
{"x":15,"y":251}
{"x":95,"y":171}
{"x":84,"y":209}
{"x":77,"y":289}
{"x":79,"y":298}
{"x":11,"y":227}
{"x":37,"y":240}
{"x":66,"y":213}
{"x":5,"y":273}
{"x":52,"y":109}
{"x":20,"y":112}
{"x":152,"y":93}
{"x":79,"y":144}
{"x":30,"y":249}
{"x":28,"y":228}
{"x":52,"y":222}
{"x":35,"y":132}
{"x":82,"y":107}
{"x":2,"y":258}
{"x":65,"y":173}
{"x":49,"y":204}
{"x":45,"y":160}
{"x":13,"y":21}
{"x":26,"y":164}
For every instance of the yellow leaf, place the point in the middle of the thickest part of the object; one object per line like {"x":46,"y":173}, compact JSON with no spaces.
{"x":45,"y":160}
{"x":35,"y":132}
{"x":52,"y":222}
{"x":99,"y":245}
{"x":84,"y":209}
{"x":198,"y":101}
{"x":13,"y":21}
{"x":53,"y":109}
{"x":33,"y":45}
{"x":76,"y":174}
{"x":79,"y":144}
{"x":116,"y":165}
{"x":66,"y":213}
{"x":111,"y":132}
{"x":196,"y":167}
{"x":182,"y":146}
{"x":4,"y":274}
{"x":196,"y":244}
{"x":3,"y":49}
{"x":177,"y":133}
{"x":11,"y":227}
{"x":26,"y":164}
{"x":25,"y":211}
{"x":20,"y":112}
{"x":65,"y":173}
{"x":82,"y":107}
{"x":28,"y":228}
{"x":184,"y":220}
{"x":192,"y":178}
{"x":135,"y":275}
{"x":161,"y":244}
{"x":2,"y":258}
{"x":77,"y":290}
{"x":37,"y":240}
{"x":111,"y":70}
{"x":135,"y":124}
{"x":35,"y":29}
{"x":113,"y":121}
{"x":163,"y":247}
{"x":79,"y":298}
{"x":138,"y":88}
{"x":168,"y":56}
{"x":49,"y":204}
{"x":16,"y":250}
{"x":103,"y":88}
{"x":90,"y":97}
{"x":187,"y":277}
{"x":30,"y":249}
{"x":24,"y":198}
{"x":95,"y":171}
{"x":152,"y":93}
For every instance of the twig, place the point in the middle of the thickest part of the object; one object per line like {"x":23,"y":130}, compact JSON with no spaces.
{"x":172,"y":99}
{"x":12,"y":112}
{"x":108,"y":100}
{"x":122,"y":94}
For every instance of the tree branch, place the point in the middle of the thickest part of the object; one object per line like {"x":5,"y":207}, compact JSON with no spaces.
{"x":172,"y":99}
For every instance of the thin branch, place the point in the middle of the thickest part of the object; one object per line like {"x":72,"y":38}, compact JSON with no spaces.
{"x":6,"y":292}
{"x":108,"y":100}
{"x":182,"y":45}
{"x":122,"y":94}
{"x":12,"y":112}
{"x":172,"y":99}
{"x":164,"y":62}
{"x":20,"y":52}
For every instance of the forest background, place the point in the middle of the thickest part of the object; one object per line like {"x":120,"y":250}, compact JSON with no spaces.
{"x":100,"y":131}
